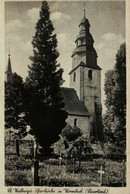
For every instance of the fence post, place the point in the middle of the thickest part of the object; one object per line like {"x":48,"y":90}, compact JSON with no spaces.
{"x":36,"y":166}
{"x":17,"y":147}
{"x":66,"y":163}
{"x":60,"y":160}
{"x":32,"y":149}
{"x":74,"y":164}
{"x":123,"y":173}
{"x":36,"y":177}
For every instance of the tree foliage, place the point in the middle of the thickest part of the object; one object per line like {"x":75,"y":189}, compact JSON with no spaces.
{"x":45,"y":112}
{"x":115,"y":90}
{"x":70,"y":133}
{"x":80,"y":148}
{"x":14,"y":108}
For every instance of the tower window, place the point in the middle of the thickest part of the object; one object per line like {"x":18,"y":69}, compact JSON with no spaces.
{"x":75,"y":122}
{"x":82,"y":41}
{"x":79,"y":42}
{"x":74,"y":78}
{"x":90,"y":74}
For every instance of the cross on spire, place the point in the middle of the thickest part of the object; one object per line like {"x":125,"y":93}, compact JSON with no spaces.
{"x":84,"y":8}
{"x":84,"y":13}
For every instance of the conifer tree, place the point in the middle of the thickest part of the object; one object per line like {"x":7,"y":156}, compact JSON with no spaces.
{"x":14,"y":105}
{"x":44,"y":101}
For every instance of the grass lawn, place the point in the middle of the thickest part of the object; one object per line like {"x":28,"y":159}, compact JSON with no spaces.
{"x":18,"y":173}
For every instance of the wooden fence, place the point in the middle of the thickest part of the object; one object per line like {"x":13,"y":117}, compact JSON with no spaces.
{"x":19,"y":147}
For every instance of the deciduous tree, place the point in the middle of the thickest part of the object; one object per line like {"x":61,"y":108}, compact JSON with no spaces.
{"x":115,"y":117}
{"x":81,"y":148}
{"x":70,"y":133}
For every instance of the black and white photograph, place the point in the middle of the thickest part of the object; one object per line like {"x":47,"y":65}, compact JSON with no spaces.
{"x":65,"y":94}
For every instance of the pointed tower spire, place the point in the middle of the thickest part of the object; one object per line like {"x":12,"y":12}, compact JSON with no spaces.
{"x":84,"y":13}
{"x":9,"y":64}
{"x":8,"y":71}
{"x":84,"y":50}
{"x":84,"y":9}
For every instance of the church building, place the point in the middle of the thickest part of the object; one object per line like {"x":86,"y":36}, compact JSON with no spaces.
{"x":83,"y":98}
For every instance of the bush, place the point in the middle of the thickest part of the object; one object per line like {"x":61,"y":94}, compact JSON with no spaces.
{"x":17,"y":162}
{"x":25,"y":147}
{"x":56,"y":182}
{"x":70,"y":180}
{"x":18,"y":178}
{"x":109,"y":150}
{"x":60,"y":179}
{"x":58,"y":176}
{"x":71,"y":133}
{"x":54,"y":161}
{"x":44,"y":171}
{"x":113,"y":171}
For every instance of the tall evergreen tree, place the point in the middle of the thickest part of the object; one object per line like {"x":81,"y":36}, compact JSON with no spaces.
{"x":44,"y":110}
{"x":115,"y":117}
{"x":14,"y":108}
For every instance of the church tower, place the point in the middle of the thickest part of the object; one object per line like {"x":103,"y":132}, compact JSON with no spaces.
{"x":85,"y":76}
{"x":8,"y":71}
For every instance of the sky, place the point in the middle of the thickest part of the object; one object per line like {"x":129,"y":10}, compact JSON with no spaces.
{"x":107,"y":20}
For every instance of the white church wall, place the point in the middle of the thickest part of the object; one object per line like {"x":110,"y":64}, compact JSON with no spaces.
{"x":75,"y":84}
{"x":92,"y":89}
{"x":82,"y":122}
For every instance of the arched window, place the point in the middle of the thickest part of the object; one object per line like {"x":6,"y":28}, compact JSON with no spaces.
{"x":90,"y":74}
{"x":74,"y":78}
{"x":75,"y":122}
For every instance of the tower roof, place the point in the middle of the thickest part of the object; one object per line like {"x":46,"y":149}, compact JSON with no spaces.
{"x":85,"y":65}
{"x":84,"y":21}
{"x":72,"y":103}
{"x":9,"y":68}
{"x":8,"y":71}
{"x":85,"y":46}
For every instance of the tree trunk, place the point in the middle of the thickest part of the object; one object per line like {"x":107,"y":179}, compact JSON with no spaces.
{"x":74,"y":164}
{"x":17,"y":147}
{"x":35,"y":173}
{"x":79,"y":163}
{"x":123,"y":173}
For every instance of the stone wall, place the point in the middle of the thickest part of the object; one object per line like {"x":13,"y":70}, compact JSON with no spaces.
{"x":90,"y":94}
{"x":90,"y":88}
